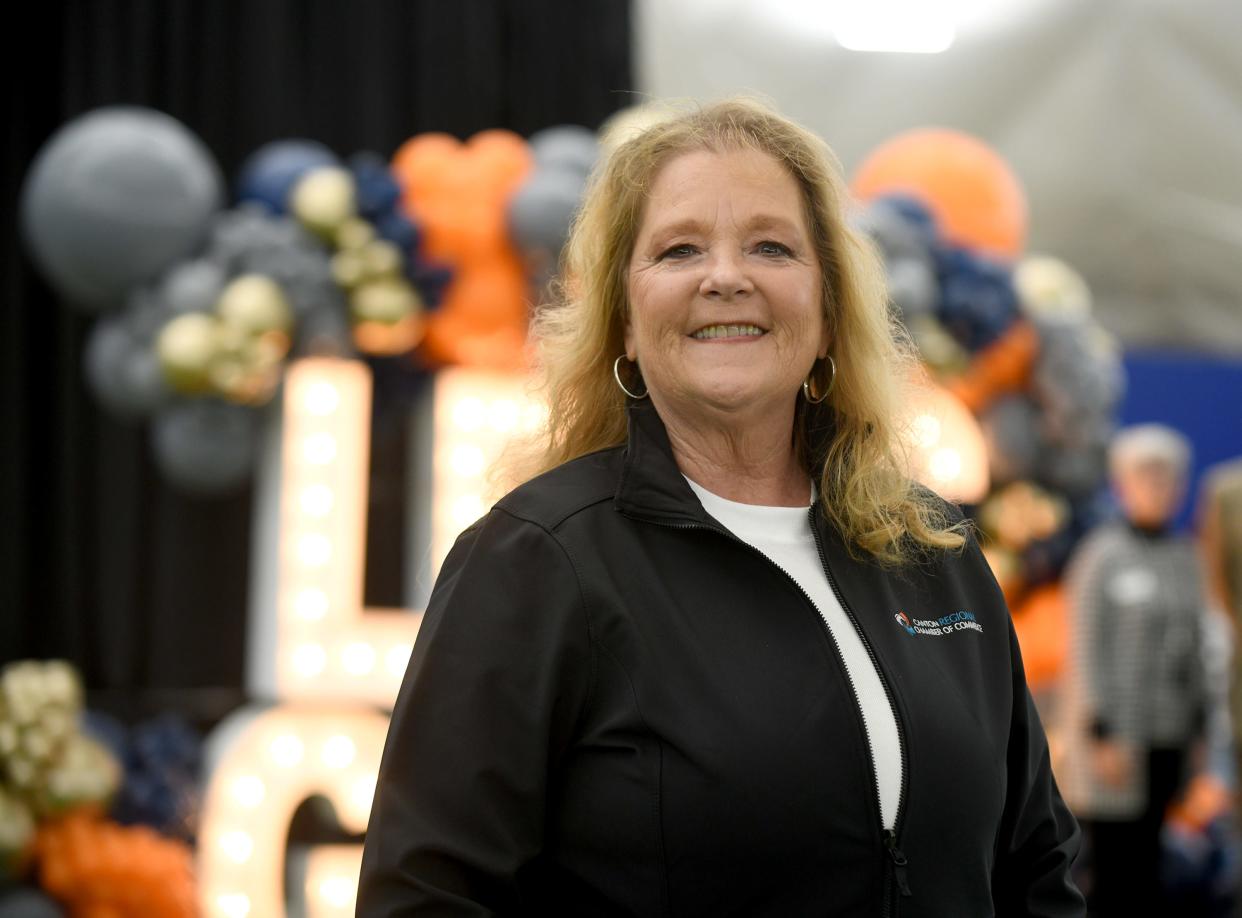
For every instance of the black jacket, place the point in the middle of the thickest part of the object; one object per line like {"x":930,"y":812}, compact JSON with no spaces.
{"x":614,"y":707}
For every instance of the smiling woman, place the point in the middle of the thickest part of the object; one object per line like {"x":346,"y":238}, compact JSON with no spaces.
{"x":673,"y":672}
{"x":726,"y":318}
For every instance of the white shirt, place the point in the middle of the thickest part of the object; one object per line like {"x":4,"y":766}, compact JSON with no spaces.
{"x":784,"y":535}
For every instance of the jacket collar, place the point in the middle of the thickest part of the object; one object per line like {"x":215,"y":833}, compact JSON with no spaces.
{"x":651,"y":484}
{"x":652,"y":487}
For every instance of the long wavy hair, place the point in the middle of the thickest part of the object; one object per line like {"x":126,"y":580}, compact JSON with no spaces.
{"x":853,"y":443}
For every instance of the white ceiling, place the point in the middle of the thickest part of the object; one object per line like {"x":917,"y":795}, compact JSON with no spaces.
{"x":1123,"y":119}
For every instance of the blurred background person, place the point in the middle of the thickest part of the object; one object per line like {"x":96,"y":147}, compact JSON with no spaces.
{"x":1136,"y":696}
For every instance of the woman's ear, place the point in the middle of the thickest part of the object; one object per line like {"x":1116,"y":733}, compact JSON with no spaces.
{"x":825,"y":335}
{"x":825,"y":342}
{"x":631,"y":349}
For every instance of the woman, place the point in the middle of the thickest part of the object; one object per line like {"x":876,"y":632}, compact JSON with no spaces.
{"x":720,"y":657}
{"x":1136,"y":697}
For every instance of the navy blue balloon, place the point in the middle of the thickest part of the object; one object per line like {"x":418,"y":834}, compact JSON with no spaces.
{"x":106,"y":729}
{"x":431,"y":281}
{"x":163,"y":761}
{"x":401,"y":231}
{"x":376,"y":191}
{"x":977,"y":298}
{"x":1044,"y":559}
{"x":915,"y":213}
{"x":269,"y":174}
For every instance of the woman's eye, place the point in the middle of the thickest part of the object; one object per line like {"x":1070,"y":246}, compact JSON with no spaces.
{"x":773,"y":248}
{"x":678,"y":251}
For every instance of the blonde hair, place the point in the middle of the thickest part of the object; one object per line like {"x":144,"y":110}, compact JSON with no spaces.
{"x":851,"y":443}
{"x":1220,"y":525}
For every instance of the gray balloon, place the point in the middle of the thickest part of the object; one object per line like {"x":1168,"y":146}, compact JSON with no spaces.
{"x":324,"y":330}
{"x":541,"y":210}
{"x":896,"y":236}
{"x":1077,"y":384}
{"x":205,"y":446}
{"x":912,"y":286}
{"x":23,"y":902}
{"x":122,"y":373}
{"x":192,"y":286}
{"x":1011,"y":429}
{"x":570,"y":147}
{"x":912,"y":283}
{"x":144,"y":313}
{"x":115,"y":197}
{"x":1076,"y":472}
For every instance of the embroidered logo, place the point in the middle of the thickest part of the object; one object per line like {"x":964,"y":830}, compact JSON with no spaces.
{"x":948,"y":624}
{"x":904,"y":621}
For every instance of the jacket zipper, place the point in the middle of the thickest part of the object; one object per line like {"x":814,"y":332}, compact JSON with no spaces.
{"x":889,"y":836}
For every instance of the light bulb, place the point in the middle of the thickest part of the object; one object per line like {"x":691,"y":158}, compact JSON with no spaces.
{"x":314,"y":549}
{"x":468,"y":414}
{"x":248,"y":790}
{"x":358,"y":658}
{"x":287,"y":750}
{"x":316,"y":500}
{"x":237,"y":845}
{"x":321,"y":398}
{"x":319,"y":449}
{"x":234,"y":905}
{"x":338,"y":751}
{"x":309,"y":660}
{"x":311,"y":604}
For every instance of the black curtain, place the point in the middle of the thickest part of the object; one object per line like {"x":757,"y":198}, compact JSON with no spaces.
{"x":101,"y":562}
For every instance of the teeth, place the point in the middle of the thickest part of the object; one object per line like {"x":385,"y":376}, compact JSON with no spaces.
{"x":727,"y":331}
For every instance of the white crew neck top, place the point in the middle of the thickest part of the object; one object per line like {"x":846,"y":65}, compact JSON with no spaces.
{"x":784,"y":535}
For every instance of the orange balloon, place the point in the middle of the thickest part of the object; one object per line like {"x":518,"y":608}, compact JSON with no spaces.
{"x":459,"y":193}
{"x":977,"y":200}
{"x":97,"y":867}
{"x":425,"y":160}
{"x":1003,"y":366}
{"x":483,"y":319}
{"x":1042,"y":625}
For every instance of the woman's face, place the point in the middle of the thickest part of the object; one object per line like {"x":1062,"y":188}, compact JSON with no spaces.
{"x":1150,"y":493}
{"x":724,"y":286}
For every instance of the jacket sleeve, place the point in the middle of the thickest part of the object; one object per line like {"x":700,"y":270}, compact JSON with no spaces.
{"x":1039,"y":837}
{"x":499,"y":674}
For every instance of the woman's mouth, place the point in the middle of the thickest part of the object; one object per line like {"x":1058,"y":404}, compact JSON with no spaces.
{"x":728,"y":331}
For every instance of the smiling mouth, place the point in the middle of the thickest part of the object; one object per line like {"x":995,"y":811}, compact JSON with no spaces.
{"x":728,"y":331}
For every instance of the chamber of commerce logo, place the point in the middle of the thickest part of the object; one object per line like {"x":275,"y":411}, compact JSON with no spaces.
{"x":947,"y":624}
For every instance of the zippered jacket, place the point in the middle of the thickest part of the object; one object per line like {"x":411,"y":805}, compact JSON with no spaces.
{"x":615,"y":707}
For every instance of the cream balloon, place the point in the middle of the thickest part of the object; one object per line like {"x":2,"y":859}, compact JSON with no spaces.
{"x":1048,"y":287}
{"x":324,"y":199}
{"x":186,"y":347}
{"x":255,"y":304}
{"x":388,"y":300}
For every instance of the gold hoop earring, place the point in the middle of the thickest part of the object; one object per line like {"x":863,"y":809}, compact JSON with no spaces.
{"x":832,"y":378}
{"x":616,"y":374}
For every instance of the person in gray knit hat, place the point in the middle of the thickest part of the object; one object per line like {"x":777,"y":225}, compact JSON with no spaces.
{"x":1135,"y":701}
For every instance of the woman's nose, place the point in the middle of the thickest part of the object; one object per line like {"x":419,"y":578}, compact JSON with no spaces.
{"x":726,"y":276}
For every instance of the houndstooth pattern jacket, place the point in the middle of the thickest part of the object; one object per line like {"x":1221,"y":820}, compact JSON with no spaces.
{"x":1135,"y":672}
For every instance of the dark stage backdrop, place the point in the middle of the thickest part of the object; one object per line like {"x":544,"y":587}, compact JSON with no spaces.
{"x":101,"y":562}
